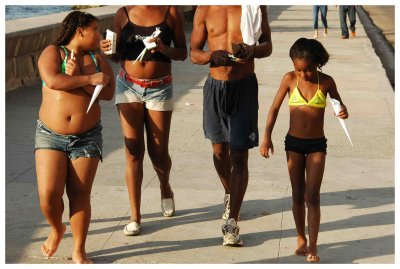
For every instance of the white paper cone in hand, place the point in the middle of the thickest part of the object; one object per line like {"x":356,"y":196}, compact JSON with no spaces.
{"x":337,"y":108}
{"x":96,"y":93}
{"x":140,"y":56}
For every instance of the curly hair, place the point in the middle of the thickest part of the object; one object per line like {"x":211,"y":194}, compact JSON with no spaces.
{"x":310,"y":49}
{"x":69,"y":25}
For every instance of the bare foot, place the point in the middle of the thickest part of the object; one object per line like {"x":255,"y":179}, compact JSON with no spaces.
{"x":312,"y":258}
{"x":80,"y":258}
{"x":301,"y":247}
{"x":312,"y":255}
{"x":50,"y":246}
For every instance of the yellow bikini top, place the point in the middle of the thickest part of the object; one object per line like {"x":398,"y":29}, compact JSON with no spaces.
{"x":318,"y":100}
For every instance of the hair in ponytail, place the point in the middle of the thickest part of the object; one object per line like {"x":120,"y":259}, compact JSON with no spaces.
{"x":310,"y":49}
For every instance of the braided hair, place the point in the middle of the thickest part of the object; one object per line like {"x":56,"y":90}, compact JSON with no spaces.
{"x":310,"y":49}
{"x":69,"y":25}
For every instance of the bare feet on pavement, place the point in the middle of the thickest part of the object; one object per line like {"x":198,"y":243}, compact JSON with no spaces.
{"x":50,"y":246}
{"x":301,"y":247}
{"x":81,"y":258}
{"x":312,"y":255}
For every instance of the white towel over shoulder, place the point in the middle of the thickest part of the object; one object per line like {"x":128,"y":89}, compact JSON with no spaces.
{"x":250,"y":24}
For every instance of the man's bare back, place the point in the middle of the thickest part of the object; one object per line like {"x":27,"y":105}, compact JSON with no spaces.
{"x":220,"y":27}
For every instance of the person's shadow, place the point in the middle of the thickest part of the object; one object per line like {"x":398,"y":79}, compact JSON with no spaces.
{"x":347,"y":251}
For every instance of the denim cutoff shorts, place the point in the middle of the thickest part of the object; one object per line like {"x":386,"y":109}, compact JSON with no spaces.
{"x":88,"y":144}
{"x":156,"y":98}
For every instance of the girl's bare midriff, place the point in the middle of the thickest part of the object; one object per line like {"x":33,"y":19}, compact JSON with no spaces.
{"x":306,"y":122}
{"x":64,"y":112}
{"x":147,"y":70}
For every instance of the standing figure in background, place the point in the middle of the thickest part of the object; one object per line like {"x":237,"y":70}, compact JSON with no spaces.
{"x":344,"y":12}
{"x":324,"y":11}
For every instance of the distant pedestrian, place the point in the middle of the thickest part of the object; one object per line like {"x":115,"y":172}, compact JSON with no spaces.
{"x":68,"y":143}
{"x":344,"y":12}
{"x":324,"y":11}
{"x":305,"y":143}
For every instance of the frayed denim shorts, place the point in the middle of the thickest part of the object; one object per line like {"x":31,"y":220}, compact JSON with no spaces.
{"x":158,"y":98}
{"x":89,"y":144}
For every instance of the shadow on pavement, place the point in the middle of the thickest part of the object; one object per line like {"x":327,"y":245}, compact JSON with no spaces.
{"x":338,"y":253}
{"x":257,"y":208}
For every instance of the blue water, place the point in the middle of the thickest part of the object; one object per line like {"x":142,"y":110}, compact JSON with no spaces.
{"x":22,"y":11}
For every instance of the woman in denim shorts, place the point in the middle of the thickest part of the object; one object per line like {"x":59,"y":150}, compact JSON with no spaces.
{"x":144,"y":95}
{"x":68,"y":144}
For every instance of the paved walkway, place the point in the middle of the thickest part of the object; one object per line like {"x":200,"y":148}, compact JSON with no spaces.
{"x":384,"y":18}
{"x":357,"y":195}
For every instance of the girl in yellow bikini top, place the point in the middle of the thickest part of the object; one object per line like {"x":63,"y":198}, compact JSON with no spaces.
{"x":318,"y":100}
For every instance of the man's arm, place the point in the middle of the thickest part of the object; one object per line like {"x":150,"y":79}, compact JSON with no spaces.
{"x":264,"y":48}
{"x":199,"y":37}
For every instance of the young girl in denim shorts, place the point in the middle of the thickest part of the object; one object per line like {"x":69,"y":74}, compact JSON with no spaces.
{"x":144,"y":96}
{"x":68,"y":144}
{"x":305,"y":143}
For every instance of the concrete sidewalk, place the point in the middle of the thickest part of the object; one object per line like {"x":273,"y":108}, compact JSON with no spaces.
{"x":357,"y":195}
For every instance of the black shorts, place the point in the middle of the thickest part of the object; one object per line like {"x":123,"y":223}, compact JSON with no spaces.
{"x":230,"y":112}
{"x":305,"y":146}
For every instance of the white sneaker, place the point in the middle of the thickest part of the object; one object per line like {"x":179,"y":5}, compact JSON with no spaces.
{"x":132,"y":228}
{"x":315,"y":33}
{"x":168,"y":207}
{"x":231,"y":234}
{"x":227,"y":199}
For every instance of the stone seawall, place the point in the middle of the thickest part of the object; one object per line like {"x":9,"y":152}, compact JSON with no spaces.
{"x":27,"y":37}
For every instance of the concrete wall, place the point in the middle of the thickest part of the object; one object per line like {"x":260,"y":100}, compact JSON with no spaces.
{"x":26,"y":38}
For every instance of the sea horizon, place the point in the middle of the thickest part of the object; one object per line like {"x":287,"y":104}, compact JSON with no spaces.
{"x":14,"y":12}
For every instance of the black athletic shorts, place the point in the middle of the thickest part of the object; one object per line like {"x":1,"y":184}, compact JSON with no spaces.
{"x":230,"y":112}
{"x":305,"y":146}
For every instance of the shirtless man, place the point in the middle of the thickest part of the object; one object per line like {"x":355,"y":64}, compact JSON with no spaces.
{"x":230,"y":99}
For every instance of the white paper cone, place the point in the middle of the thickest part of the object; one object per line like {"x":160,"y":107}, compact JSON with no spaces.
{"x":148,"y":46}
{"x":96,"y":93}
{"x":140,"y":56}
{"x":337,"y":108}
